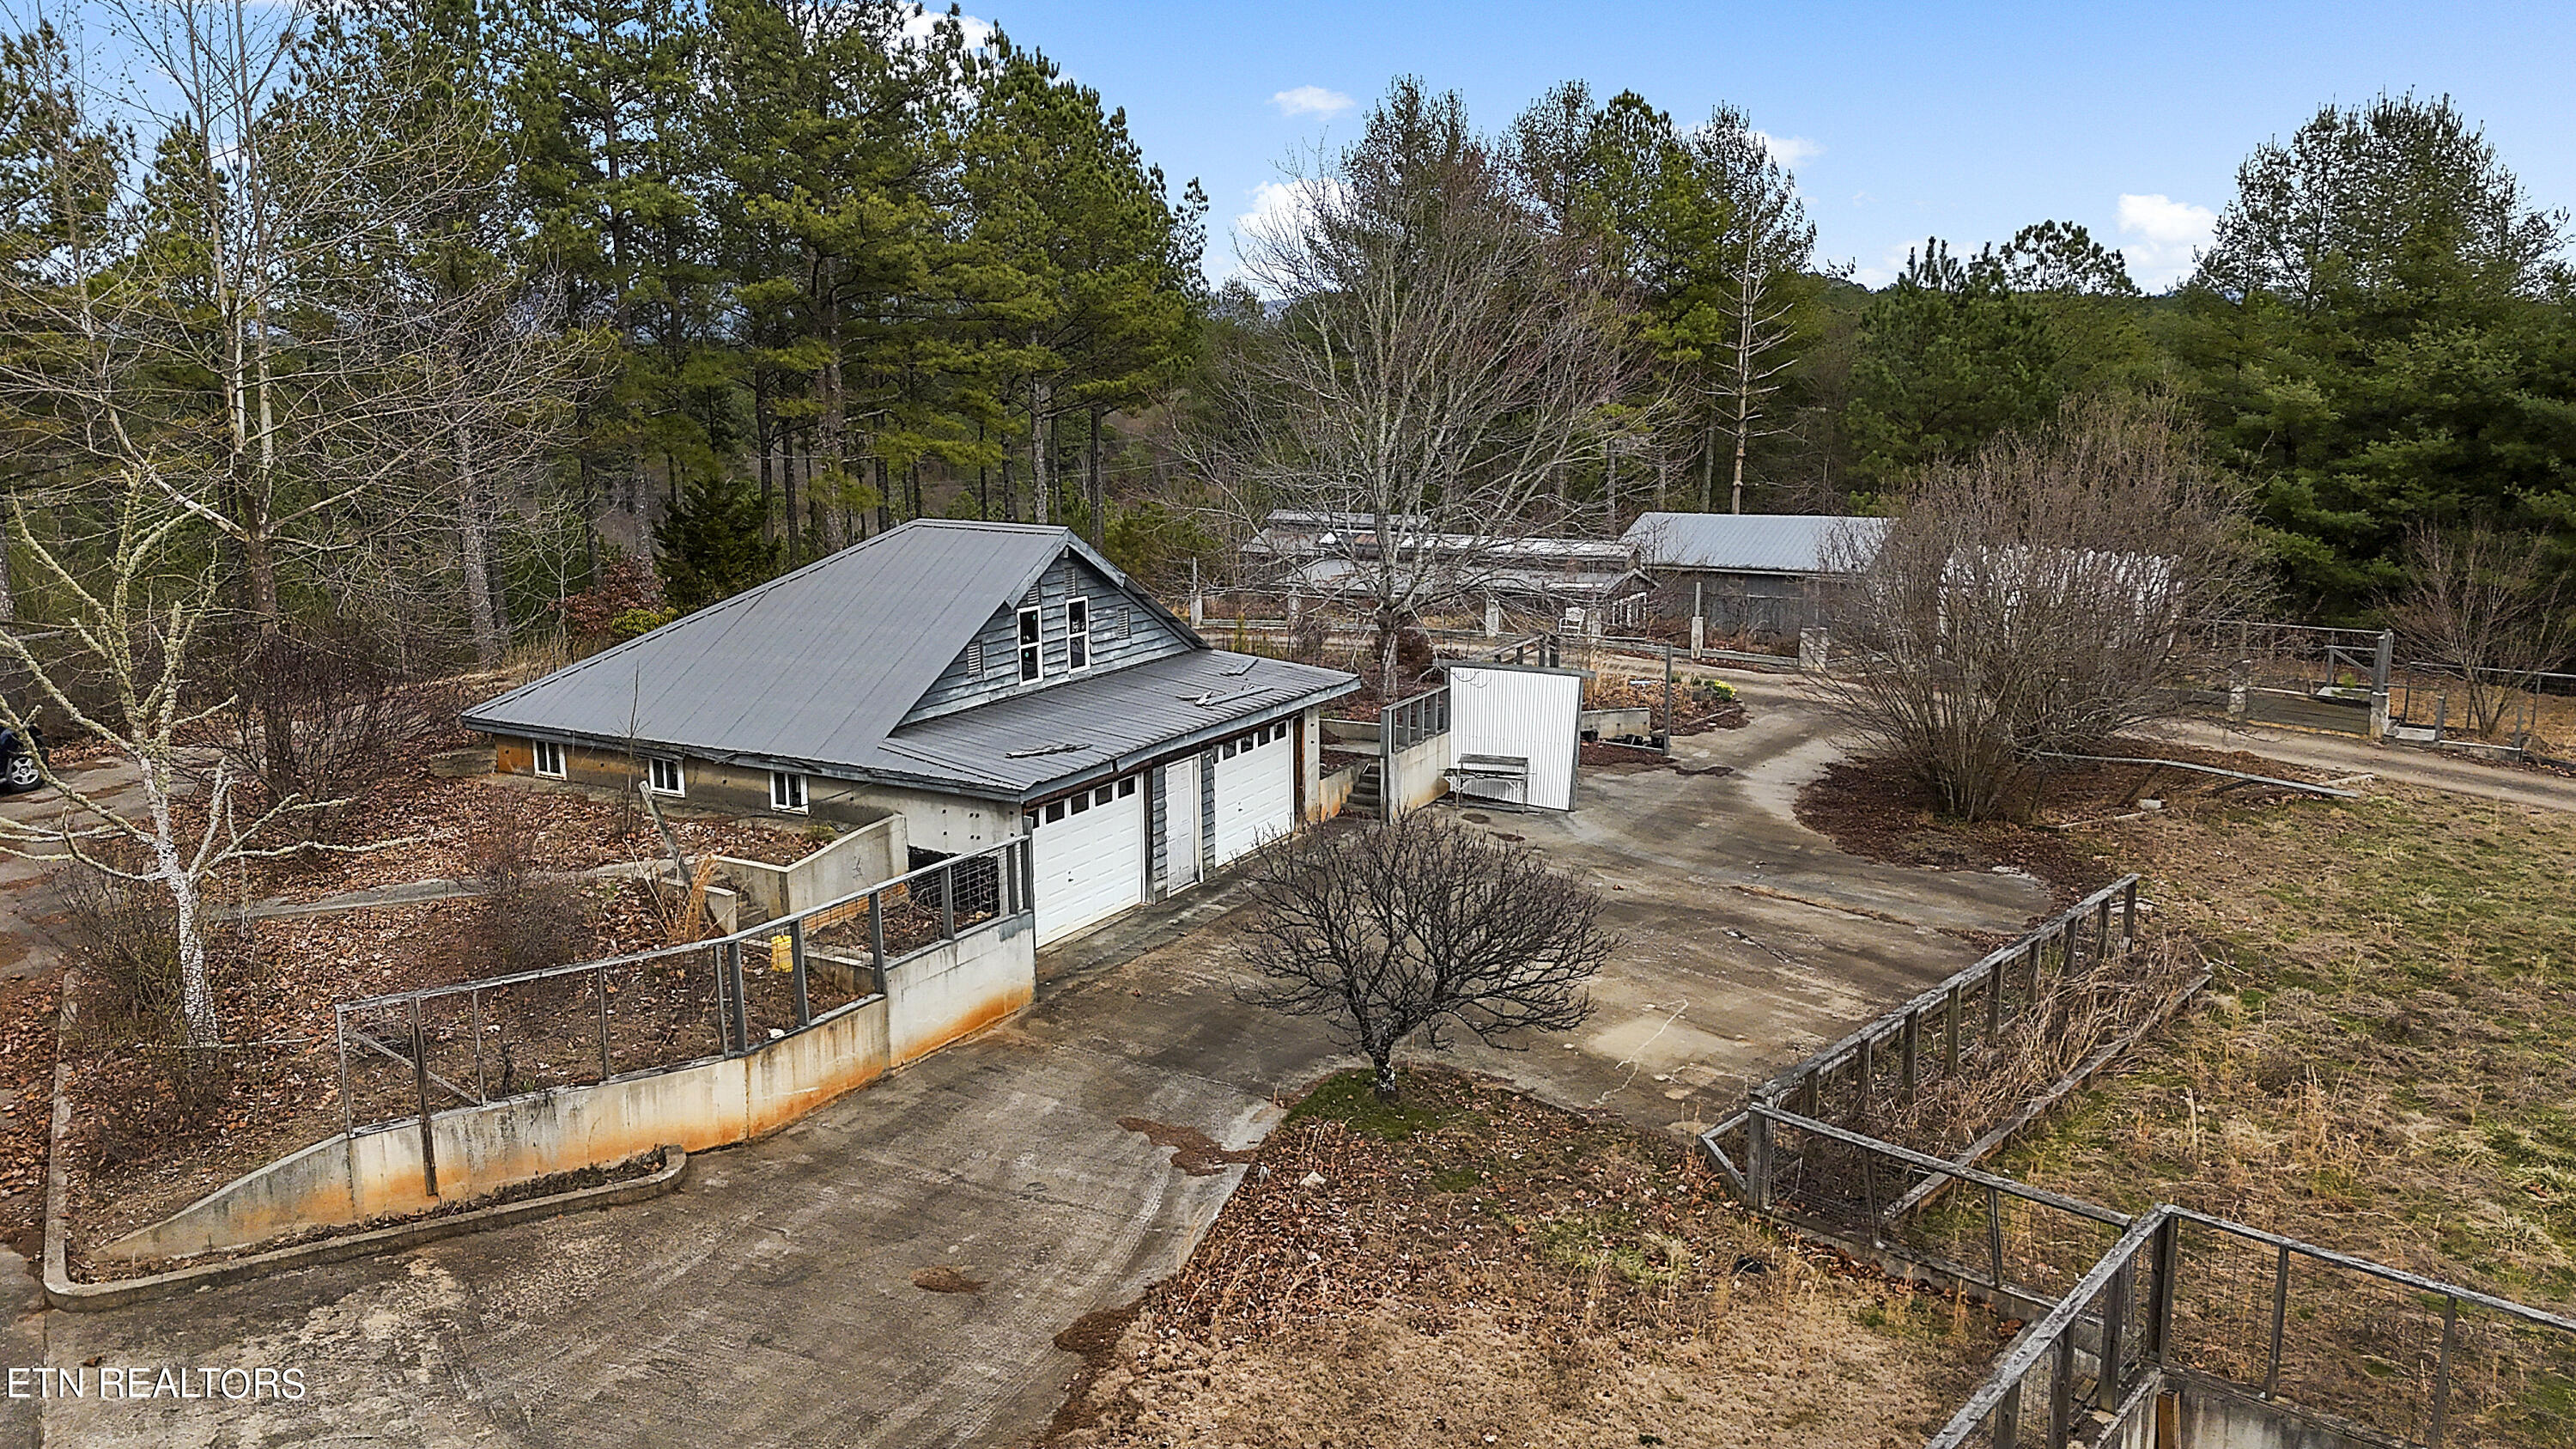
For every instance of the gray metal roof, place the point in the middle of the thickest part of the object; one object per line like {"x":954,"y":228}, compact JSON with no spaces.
{"x":1758,"y":543}
{"x":815,"y":667}
{"x":1103,"y":723}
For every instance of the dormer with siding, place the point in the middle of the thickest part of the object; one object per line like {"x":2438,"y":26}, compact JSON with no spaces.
{"x":1121,"y":627}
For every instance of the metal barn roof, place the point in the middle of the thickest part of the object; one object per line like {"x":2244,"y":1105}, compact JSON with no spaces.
{"x":817,"y":667}
{"x":1758,"y":543}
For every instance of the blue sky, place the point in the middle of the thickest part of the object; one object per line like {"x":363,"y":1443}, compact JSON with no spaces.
{"x":1957,"y":120}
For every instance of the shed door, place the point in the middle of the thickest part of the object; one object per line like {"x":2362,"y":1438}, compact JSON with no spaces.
{"x":1181,"y":823}
{"x":1256,"y":790}
{"x":1088,"y":857}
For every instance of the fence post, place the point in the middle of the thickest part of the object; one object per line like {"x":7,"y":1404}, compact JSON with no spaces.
{"x":1906,"y":1068}
{"x":796,"y":968}
{"x":2115,"y":1324}
{"x":420,"y":1085}
{"x":1868,"y":1079}
{"x":2379,"y":684}
{"x":1994,"y":1002}
{"x":2061,"y":1389}
{"x":732,"y":959}
{"x":1950,"y":1034}
{"x":1995,"y":1242}
{"x":348,"y":1111}
{"x":2160,"y":1299}
{"x":876,"y":937}
{"x":2102,"y":933}
{"x":1757,"y":1157}
{"x":2007,"y":1425}
{"x":599,"y":988}
{"x":948,"y":902}
{"x":2442,"y":1372}
{"x":2280,"y":1310}
{"x":474,"y":1003}
{"x":2129,"y":916}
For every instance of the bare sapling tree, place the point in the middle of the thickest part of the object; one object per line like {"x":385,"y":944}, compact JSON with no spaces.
{"x":1767,"y":243}
{"x":1416,"y":927}
{"x":2492,"y":608}
{"x":240,"y":317}
{"x":2034,"y":598}
{"x":136,"y":624}
{"x":1438,"y":366}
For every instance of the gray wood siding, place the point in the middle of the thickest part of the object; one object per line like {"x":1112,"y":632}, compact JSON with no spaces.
{"x":1146,"y":637}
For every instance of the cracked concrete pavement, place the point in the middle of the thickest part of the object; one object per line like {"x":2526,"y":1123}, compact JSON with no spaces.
{"x":772,"y":1301}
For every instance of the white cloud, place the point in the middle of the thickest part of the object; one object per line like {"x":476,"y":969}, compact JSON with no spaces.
{"x":2162,"y":238}
{"x":1790,"y":150}
{"x":1311,"y":101}
{"x":978,"y":32}
{"x":1891,"y":264}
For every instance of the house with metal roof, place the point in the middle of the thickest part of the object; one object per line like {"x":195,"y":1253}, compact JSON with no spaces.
{"x":1746,"y":573}
{"x":982,"y":680}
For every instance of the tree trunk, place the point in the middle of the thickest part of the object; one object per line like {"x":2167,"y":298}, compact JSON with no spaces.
{"x":1098,"y":498}
{"x":787,"y":490}
{"x":480,"y":613}
{"x":196,"y":990}
{"x":1384,"y":1081}
{"x":1041,"y":467}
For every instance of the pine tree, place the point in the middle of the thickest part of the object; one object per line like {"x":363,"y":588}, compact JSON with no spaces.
{"x":710,"y":545}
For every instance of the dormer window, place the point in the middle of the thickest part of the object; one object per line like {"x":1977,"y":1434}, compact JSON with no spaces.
{"x":1032,"y":664}
{"x":1077,"y":634}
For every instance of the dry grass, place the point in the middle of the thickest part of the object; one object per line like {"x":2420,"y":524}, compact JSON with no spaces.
{"x":2386,"y":1065}
{"x":1481,"y":1269}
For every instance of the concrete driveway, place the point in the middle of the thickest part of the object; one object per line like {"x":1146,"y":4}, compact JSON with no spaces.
{"x":774,"y":1302}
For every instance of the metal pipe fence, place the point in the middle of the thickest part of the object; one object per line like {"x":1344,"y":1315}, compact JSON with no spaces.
{"x":407,"y":1055}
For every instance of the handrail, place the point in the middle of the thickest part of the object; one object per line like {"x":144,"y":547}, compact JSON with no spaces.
{"x":758,"y":934}
{"x":2041,"y":1337}
{"x":2108,"y":1217}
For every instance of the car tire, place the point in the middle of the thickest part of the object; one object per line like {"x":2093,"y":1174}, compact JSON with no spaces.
{"x":21,"y":774}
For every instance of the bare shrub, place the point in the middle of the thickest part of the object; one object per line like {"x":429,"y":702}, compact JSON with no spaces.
{"x":350,"y":718}
{"x":2034,"y":598}
{"x":526,"y":918}
{"x":122,"y":939}
{"x":2490,"y":607}
{"x":1418,"y":926}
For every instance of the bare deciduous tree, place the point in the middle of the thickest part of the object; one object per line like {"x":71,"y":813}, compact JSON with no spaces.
{"x":2033,"y":598}
{"x":1437,"y":369}
{"x":2490,"y":606}
{"x":1419,"y":926}
{"x":136,"y":626}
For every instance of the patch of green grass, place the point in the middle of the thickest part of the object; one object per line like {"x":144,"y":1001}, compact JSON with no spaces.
{"x":1350,"y":1098}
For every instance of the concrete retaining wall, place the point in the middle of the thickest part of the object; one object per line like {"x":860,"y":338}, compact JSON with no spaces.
{"x":852,"y":863}
{"x":2203,"y":1414}
{"x":1420,"y":774}
{"x":934,"y":997}
{"x":1333,"y":790}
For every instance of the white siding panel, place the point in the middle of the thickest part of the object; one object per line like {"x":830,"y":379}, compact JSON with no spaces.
{"x":1532,"y":714}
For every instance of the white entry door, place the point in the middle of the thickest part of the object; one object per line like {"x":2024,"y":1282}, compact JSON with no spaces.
{"x":1088,"y":856}
{"x":1181,"y":823}
{"x":1256,"y":790}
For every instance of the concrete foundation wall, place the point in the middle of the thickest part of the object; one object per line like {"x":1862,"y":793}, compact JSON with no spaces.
{"x":934,"y":997}
{"x":2206,"y":1415}
{"x":1420,"y":775}
{"x":724,"y":789}
{"x":1333,"y":791}
{"x":871,"y":853}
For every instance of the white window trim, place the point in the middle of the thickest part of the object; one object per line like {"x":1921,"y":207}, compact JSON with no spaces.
{"x":778,"y":777}
{"x":538,"y":750}
{"x":1071,"y":634}
{"x":1031,"y":655}
{"x":679,"y":788}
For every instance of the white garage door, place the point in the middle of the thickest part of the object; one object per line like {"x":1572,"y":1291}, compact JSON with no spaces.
{"x":1088,"y":857}
{"x":1256,"y":790}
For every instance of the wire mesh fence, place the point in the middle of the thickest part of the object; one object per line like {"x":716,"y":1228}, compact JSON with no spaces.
{"x":412,"y":1054}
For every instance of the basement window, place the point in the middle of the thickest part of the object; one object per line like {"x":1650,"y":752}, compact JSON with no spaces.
{"x":549,"y":760}
{"x":1077,"y":634}
{"x":787,"y":792}
{"x":662,"y":776}
{"x":1031,"y":665}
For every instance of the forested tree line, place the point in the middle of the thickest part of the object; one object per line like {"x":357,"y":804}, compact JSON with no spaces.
{"x":431,"y":316}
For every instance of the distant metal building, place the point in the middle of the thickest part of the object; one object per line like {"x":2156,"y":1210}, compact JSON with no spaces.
{"x":1745,"y":573}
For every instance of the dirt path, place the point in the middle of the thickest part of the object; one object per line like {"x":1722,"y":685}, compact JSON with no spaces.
{"x":2345,"y":755}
